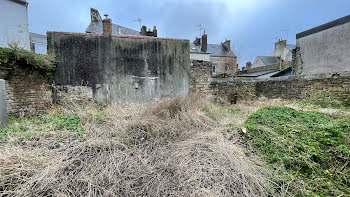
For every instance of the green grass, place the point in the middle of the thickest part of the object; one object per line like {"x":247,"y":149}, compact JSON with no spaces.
{"x":56,"y":121}
{"x":309,"y":151}
{"x":326,"y":99}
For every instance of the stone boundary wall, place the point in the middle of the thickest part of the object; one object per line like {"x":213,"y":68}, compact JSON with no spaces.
{"x":3,"y":107}
{"x":201,"y":72}
{"x":27,"y":92}
{"x":69,"y":94}
{"x":293,"y":87}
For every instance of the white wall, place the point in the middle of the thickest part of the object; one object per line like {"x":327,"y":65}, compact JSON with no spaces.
{"x":14,"y":24}
{"x":326,"y":51}
{"x":257,"y":63}
{"x":200,"y":56}
{"x":282,"y":52}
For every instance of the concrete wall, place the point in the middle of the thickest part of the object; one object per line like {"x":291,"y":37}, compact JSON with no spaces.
{"x":14,"y":24}
{"x":3,"y":107}
{"x":326,"y":48}
{"x":122,"y":68}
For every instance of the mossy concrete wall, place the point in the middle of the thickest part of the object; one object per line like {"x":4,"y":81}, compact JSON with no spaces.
{"x":3,"y":106}
{"x":121,"y":68}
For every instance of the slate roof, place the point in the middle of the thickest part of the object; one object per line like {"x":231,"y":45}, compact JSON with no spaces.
{"x":194,"y":48}
{"x":269,"y":60}
{"x":290,"y":47}
{"x":282,"y":73}
{"x":96,"y":28}
{"x":260,"y":73}
{"x":215,"y":50}
{"x":38,"y":38}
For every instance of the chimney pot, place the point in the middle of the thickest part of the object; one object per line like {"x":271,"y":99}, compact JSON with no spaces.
{"x":249,"y":65}
{"x":107,"y":26}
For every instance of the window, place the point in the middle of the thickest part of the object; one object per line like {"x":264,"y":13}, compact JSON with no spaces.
{"x":214,"y":68}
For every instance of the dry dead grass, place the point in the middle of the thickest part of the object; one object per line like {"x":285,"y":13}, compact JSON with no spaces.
{"x":169,"y":148}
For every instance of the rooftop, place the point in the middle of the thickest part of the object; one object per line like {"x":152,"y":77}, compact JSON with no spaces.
{"x":290,"y":47}
{"x":120,"y":36}
{"x":24,"y":2}
{"x":37,"y":38}
{"x":97,"y":28}
{"x":215,"y":50}
{"x":260,"y":73}
{"x":323,"y":27}
{"x":269,"y":60}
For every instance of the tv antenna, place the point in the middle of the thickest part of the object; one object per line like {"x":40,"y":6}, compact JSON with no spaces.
{"x":139,"y":20}
{"x":200,"y":29}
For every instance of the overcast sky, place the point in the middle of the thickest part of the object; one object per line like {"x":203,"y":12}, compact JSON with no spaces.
{"x":252,"y":25}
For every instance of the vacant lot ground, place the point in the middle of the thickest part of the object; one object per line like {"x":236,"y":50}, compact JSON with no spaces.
{"x":178,"y":147}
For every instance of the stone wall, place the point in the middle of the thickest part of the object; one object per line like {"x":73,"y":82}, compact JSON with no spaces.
{"x":225,"y":89}
{"x":200,"y":76}
{"x":124,"y":68}
{"x":67,"y":94}
{"x":3,"y":107}
{"x":27,"y":92}
{"x":294,"y":87}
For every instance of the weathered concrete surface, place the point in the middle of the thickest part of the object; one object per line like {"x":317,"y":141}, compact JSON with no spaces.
{"x":325,"y":48}
{"x":3,"y":106}
{"x":130,"y":69}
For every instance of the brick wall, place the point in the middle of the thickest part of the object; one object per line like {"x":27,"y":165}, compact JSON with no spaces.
{"x":27,"y":92}
{"x":200,"y":76}
{"x":294,"y":87}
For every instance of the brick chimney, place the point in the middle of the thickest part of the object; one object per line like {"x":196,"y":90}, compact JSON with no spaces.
{"x":143,"y":30}
{"x":155,"y":32}
{"x":280,"y":44}
{"x":204,"y":42}
{"x":107,"y":25}
{"x":227,"y":45}
{"x":249,"y":65}
{"x":148,"y":32}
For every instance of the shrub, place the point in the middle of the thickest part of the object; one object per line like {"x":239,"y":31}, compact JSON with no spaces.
{"x":309,"y":150}
{"x":20,"y":58}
